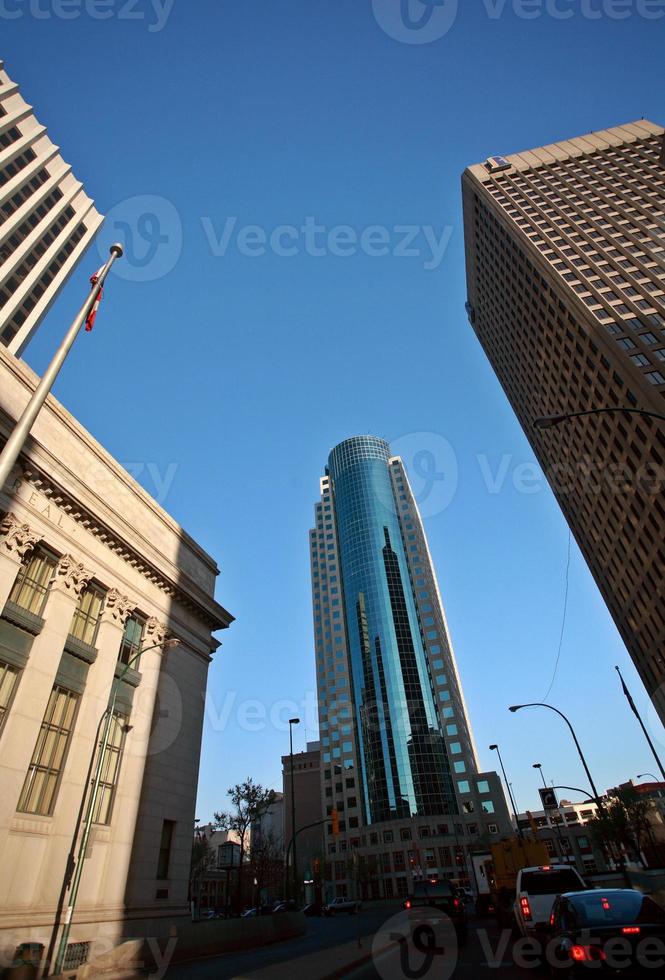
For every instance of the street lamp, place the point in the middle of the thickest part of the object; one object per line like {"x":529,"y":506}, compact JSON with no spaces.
{"x":292,"y":722}
{"x":642,"y":775}
{"x":550,"y":421}
{"x":540,"y":704}
{"x":520,"y":832}
{"x":87,"y":826}
{"x":539,"y":767}
{"x":557,"y":828}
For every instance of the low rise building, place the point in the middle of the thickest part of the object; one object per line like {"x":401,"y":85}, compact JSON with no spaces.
{"x":566,"y":836}
{"x":92,"y":572}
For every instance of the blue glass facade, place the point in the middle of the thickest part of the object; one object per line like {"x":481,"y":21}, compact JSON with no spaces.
{"x":401,"y":749}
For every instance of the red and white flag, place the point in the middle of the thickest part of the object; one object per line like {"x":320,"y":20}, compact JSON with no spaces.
{"x":90,"y":320}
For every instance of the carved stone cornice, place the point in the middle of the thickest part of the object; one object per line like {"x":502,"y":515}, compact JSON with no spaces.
{"x":17,"y":539}
{"x":119,"y":606}
{"x":72,"y":575}
{"x":182,"y":587}
{"x":155,"y":632}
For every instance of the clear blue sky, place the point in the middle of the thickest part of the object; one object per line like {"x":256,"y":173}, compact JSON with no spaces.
{"x":237,"y":372}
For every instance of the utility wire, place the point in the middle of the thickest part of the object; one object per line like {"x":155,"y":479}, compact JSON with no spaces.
{"x":563,"y":618}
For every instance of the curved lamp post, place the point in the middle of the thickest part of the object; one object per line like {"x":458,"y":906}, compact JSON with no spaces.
{"x":643,"y":775}
{"x":550,"y":421}
{"x":96,"y":780}
{"x":520,"y":832}
{"x":540,"y":704}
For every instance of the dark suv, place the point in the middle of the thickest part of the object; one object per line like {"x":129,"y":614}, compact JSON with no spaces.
{"x":439,"y":894}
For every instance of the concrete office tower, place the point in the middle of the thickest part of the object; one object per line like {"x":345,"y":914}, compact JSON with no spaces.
{"x":397,"y":755}
{"x":565,"y":251}
{"x":46,"y":219}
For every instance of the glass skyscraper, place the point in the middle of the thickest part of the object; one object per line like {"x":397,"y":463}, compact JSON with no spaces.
{"x":398,"y":760}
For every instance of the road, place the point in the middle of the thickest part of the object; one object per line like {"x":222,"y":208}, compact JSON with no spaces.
{"x":316,"y":949}
{"x":331,"y":947}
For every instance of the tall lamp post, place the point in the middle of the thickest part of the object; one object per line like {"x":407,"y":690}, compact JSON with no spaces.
{"x":495,"y":748}
{"x":540,"y":704}
{"x":292,"y":722}
{"x":90,"y":811}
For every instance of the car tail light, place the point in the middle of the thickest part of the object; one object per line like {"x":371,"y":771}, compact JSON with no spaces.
{"x":586,"y":954}
{"x":457,"y":903}
{"x":526,"y":908}
{"x":631,"y":931}
{"x":407,"y":904}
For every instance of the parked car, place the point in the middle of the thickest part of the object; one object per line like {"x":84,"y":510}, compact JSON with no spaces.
{"x":313,"y":908}
{"x":341,"y":905}
{"x":289,"y":906}
{"x":611,"y":930}
{"x":250,"y":914}
{"x":440,"y":894}
{"x":207,"y":914}
{"x":537,"y":888}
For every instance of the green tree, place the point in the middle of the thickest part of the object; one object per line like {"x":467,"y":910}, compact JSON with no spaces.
{"x":625,"y":822}
{"x":249,"y":801}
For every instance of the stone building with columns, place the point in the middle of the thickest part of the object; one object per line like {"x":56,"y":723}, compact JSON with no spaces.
{"x":93,"y":571}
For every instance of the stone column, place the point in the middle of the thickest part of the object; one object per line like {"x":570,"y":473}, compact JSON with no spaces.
{"x":27,"y":712}
{"x":84,"y":748}
{"x":16,"y":541}
{"x":131,"y":778}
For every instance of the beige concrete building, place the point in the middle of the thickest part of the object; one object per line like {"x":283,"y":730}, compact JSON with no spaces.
{"x":91,"y":571}
{"x":309,"y":810}
{"x":565,"y":253}
{"x":46,"y":219}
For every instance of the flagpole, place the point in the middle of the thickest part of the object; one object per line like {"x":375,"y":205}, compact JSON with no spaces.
{"x":17,"y":439}
{"x":633,"y":707}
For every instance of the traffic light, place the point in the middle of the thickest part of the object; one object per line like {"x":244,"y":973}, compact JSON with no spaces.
{"x":335,"y":822}
{"x":459,"y":858}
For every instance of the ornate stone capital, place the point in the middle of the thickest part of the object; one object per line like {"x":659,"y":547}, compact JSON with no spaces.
{"x":73,"y":575}
{"x":17,"y":539}
{"x":155,"y":632}
{"x":119,"y":606}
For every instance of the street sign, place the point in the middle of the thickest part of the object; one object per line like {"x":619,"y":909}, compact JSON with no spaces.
{"x":548,"y":799}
